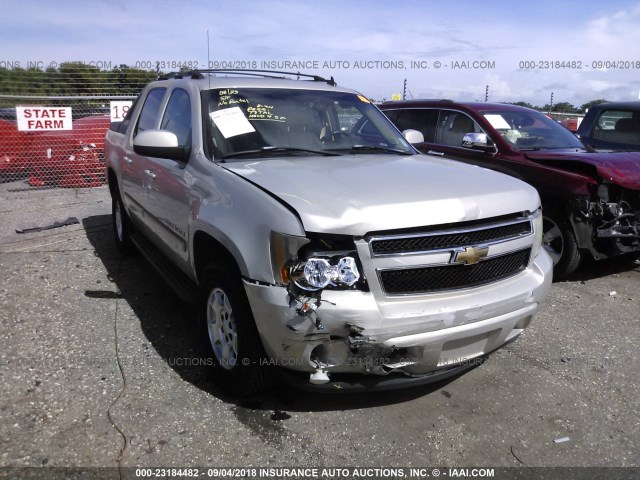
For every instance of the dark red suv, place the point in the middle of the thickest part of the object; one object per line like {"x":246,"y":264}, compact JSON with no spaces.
{"x":590,"y":200}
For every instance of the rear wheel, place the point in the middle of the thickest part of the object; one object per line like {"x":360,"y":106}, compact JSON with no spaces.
{"x":122,"y":227}
{"x":560,"y":242}
{"x":231,"y":334}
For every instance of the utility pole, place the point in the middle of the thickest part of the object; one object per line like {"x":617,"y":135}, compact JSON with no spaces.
{"x":404,"y":90}
{"x":551,"y":104}
{"x":486,"y":94}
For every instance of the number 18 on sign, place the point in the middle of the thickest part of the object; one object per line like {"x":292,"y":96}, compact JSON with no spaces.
{"x":119,"y":109}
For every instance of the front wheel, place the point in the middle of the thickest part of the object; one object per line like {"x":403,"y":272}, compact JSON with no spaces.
{"x":560,"y":242}
{"x":240,"y":366}
{"x":122,"y":228}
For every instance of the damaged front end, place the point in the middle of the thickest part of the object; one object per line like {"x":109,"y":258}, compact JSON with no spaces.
{"x":608,"y":223}
{"x":327,"y":316}
{"x":315,"y":272}
{"x":323,"y":265}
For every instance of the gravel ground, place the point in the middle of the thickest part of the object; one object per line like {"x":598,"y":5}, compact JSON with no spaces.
{"x":93,"y":349}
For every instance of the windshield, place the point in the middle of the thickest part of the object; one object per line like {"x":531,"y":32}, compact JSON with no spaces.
{"x":262,"y":122}
{"x":530,"y":130}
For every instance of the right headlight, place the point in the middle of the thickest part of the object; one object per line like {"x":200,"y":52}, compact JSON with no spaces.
{"x":329,"y":263}
{"x":317,"y":273}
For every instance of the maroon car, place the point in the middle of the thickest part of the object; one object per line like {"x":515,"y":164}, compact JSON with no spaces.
{"x":590,"y":200}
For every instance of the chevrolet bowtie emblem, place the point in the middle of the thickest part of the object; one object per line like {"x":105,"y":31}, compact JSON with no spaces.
{"x":470,"y":255}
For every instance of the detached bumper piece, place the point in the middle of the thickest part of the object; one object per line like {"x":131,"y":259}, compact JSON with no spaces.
{"x":350,"y":383}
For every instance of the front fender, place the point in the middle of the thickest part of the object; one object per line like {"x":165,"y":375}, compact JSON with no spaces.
{"x":240,"y":216}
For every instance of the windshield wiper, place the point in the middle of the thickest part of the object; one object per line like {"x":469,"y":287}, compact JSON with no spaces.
{"x":372,"y":148}
{"x":276,"y":150}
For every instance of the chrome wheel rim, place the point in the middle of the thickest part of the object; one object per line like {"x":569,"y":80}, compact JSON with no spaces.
{"x":221,"y":324}
{"x":552,"y":239}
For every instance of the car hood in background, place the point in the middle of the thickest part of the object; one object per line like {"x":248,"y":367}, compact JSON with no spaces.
{"x":357,"y":194}
{"x":621,"y":168}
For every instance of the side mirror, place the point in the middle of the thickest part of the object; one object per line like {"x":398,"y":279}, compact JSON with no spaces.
{"x":160,"y":144}
{"x":477,"y":141}
{"x":413,"y":136}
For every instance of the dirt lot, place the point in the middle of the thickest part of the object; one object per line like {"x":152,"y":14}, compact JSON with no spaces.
{"x":95,"y":349}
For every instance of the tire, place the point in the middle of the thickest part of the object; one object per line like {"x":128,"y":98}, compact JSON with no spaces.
{"x":122,"y":227}
{"x":240,"y":365}
{"x":560,"y":242}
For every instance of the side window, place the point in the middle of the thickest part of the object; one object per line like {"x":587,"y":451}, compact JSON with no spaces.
{"x":392,"y":115}
{"x":608,"y":119}
{"x":452,"y":127}
{"x":618,"y":126}
{"x":150,"y":109}
{"x":422,"y":119}
{"x":177,"y":117}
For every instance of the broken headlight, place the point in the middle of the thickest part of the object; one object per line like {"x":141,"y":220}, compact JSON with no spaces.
{"x":315,"y":262}
{"x":317,"y":273}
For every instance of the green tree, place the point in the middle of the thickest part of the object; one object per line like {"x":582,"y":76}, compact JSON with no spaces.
{"x":525,"y":104}
{"x":563,"y":107}
{"x":74,"y":79}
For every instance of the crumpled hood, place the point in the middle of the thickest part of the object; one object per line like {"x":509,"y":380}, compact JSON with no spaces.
{"x":356,"y":194}
{"x":621,"y":168}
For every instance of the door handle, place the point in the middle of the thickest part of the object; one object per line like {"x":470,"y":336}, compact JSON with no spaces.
{"x":150,"y":173}
{"x":128,"y":160}
{"x":433,"y":152}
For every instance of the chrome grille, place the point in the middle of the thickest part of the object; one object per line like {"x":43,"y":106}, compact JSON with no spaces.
{"x":422,"y":242}
{"x":407,"y":281}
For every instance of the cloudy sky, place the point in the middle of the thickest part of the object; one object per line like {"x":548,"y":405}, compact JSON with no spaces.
{"x":579,"y":50}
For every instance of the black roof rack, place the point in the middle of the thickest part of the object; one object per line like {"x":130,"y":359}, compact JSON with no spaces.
{"x":199,"y":74}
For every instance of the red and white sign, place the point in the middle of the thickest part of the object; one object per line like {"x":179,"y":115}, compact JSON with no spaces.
{"x":119,"y":108}
{"x":37,"y":119}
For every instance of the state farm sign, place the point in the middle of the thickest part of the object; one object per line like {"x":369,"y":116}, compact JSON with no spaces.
{"x":33,"y":119}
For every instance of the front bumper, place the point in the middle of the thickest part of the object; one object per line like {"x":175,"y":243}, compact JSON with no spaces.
{"x":419,"y":337}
